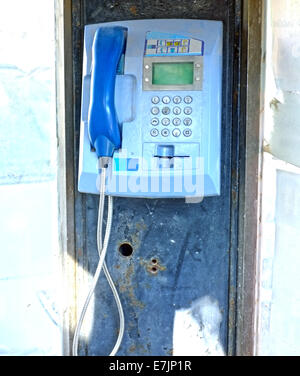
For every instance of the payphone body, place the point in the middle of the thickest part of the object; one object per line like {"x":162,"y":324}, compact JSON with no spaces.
{"x":168,"y":101}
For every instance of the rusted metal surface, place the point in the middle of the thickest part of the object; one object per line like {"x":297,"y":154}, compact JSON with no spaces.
{"x":194,"y":245}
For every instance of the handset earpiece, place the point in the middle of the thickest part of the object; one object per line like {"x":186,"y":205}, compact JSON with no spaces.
{"x":103,"y":127}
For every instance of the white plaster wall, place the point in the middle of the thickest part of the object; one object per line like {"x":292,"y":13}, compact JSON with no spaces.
{"x":283,"y":98}
{"x":278,"y":315}
{"x":279,"y":278}
{"x":30,"y":283}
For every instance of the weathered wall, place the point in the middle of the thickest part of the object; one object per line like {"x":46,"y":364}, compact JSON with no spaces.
{"x":283,"y":126}
{"x":278,"y":307}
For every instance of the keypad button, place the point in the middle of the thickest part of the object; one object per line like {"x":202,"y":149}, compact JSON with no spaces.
{"x":177,"y":99}
{"x":187,"y":132}
{"x":188,"y":110}
{"x":165,"y":132}
{"x":176,"y":122}
{"x":187,"y":121}
{"x":166,"y":100}
{"x":165,"y":121}
{"x":166,"y":110}
{"x":188,"y":99}
{"x":176,"y":132}
{"x":176,"y":110}
{"x":155,"y":100}
{"x":154,"y":132}
{"x":155,"y":110}
{"x":154,"y":121}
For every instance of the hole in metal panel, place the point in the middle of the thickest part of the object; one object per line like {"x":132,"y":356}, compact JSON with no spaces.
{"x":126,"y":249}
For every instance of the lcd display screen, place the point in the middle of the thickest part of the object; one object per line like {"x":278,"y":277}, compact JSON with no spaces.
{"x":173,"y":73}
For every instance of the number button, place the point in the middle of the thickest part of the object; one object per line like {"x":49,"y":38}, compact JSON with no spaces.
{"x":155,"y":100}
{"x":166,"y":100}
{"x":165,"y":121}
{"x":154,"y":132}
{"x":165,"y":110}
{"x":155,"y":110}
{"x":188,"y":110}
{"x":176,"y":122}
{"x":176,"y":132}
{"x":177,"y":110}
{"x":154,"y":121}
{"x":188,"y":99}
{"x":177,"y":99}
{"x":187,"y":122}
{"x":165,"y":133}
{"x":187,"y":132}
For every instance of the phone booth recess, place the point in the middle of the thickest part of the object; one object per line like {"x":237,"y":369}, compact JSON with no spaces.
{"x":165,"y":73}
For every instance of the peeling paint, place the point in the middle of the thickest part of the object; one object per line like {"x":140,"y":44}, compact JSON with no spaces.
{"x":285,"y":137}
{"x":133,"y":10}
{"x":282,"y":81}
{"x":141,"y":226}
{"x":196,"y":329}
{"x":127,"y":287}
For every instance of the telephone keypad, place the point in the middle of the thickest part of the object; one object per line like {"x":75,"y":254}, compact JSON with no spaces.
{"x":176,"y":110}
{"x":165,"y":121}
{"x":188,"y":110}
{"x":187,"y":122}
{"x":155,"y":110}
{"x":187,"y":132}
{"x":176,"y":122}
{"x":154,"y":121}
{"x":166,"y":110}
{"x":166,"y":100}
{"x":188,"y":99}
{"x":154,"y":132}
{"x":155,"y":100}
{"x":177,"y":106}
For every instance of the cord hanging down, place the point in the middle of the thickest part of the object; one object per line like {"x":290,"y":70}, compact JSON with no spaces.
{"x":101,"y":264}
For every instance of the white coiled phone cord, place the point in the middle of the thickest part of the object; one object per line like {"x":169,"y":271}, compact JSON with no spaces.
{"x":101,"y":263}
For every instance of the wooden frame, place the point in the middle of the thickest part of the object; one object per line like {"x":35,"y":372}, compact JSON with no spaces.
{"x":249,"y":202}
{"x":65,"y":135}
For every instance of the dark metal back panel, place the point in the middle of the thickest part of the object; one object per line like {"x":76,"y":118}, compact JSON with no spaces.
{"x":195,"y":244}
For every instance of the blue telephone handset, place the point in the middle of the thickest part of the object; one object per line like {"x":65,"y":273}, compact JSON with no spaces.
{"x":103,"y":127}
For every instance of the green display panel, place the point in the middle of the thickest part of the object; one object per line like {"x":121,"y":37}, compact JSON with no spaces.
{"x":172,"y":73}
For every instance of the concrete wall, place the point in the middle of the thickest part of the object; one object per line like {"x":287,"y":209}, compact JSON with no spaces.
{"x":283,"y":127}
{"x":278,"y":328}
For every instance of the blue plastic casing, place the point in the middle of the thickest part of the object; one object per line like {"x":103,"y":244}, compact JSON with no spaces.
{"x":155,"y":157}
{"x":103,"y":126}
